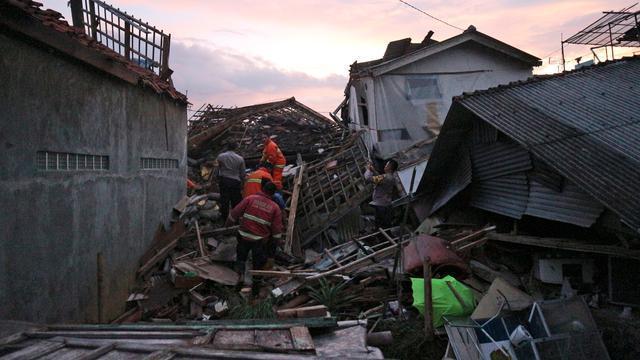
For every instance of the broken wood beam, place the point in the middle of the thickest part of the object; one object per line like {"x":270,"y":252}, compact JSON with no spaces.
{"x":566,"y":244}
{"x":473,"y":244}
{"x":383,"y":252}
{"x":471,"y":236}
{"x":288,"y":243}
{"x":201,"y":246}
{"x":333,"y":258}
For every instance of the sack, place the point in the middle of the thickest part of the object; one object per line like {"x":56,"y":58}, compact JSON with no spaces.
{"x":444,"y":301}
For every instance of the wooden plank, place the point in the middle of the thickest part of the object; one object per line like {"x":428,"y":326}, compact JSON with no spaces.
{"x":288,"y":244}
{"x":97,"y":353}
{"x":380,"y":253}
{"x":114,"y":334}
{"x":473,"y":244}
{"x":286,"y":274}
{"x":302,"y":312}
{"x":333,"y":258}
{"x":201,"y":247}
{"x":565,"y":244}
{"x":35,"y":351}
{"x":301,"y":338}
{"x":471,"y":236}
{"x":389,"y":238}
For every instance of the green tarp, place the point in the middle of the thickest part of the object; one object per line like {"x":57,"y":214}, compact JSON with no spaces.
{"x":445,"y":302}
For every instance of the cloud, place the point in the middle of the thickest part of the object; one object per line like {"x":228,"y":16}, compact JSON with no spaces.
{"x":225,"y":77}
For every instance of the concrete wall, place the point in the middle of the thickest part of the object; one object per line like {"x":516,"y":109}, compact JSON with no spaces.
{"x":54,"y":223}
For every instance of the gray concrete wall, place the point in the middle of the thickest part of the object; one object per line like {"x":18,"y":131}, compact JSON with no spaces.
{"x":53,"y":224}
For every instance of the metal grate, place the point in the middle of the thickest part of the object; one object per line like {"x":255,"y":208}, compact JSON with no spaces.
{"x":58,"y":161}
{"x":130,"y":37}
{"x":156,"y":164}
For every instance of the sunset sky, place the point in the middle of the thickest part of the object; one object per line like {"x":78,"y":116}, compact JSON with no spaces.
{"x":242,"y":52}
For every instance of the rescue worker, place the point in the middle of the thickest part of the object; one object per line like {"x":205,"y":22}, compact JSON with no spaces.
{"x":260,"y":227}
{"x":253,"y":183}
{"x":230,"y":174}
{"x":272,"y":154}
{"x":383,"y":192}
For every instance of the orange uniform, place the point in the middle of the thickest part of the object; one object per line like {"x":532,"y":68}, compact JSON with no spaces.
{"x":273,"y":155}
{"x":253,"y":182}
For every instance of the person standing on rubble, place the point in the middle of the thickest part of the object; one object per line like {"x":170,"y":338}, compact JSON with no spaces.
{"x":383,"y":192}
{"x":272,"y":154}
{"x":260,"y":227}
{"x":230,"y":174}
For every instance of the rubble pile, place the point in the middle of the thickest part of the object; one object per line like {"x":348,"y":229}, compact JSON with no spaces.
{"x":451,"y":275}
{"x":296,"y":128}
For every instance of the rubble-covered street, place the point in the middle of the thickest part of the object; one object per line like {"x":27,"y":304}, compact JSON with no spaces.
{"x":453,"y":206}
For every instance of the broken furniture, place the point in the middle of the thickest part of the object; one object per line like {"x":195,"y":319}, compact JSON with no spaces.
{"x":552,"y":329}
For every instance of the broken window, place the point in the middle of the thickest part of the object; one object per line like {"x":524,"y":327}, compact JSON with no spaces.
{"x":362,"y":105}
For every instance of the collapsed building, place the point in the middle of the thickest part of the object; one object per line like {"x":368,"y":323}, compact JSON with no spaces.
{"x":402,"y":99}
{"x":553,"y":162}
{"x":94,"y":156}
{"x":561,"y":148}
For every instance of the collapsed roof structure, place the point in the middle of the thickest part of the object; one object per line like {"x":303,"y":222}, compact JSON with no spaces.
{"x":211,"y":127}
{"x":560,"y":147}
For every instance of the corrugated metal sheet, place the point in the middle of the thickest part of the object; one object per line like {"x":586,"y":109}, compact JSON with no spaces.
{"x":507,"y":195}
{"x":572,"y":205}
{"x":545,"y":175}
{"x":483,"y":133}
{"x":459,"y":179}
{"x":584,"y":124}
{"x":498,"y":159}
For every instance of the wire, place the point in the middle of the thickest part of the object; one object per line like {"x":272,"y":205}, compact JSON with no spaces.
{"x":429,"y":15}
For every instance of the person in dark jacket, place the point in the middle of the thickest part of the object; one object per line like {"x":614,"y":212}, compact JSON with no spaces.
{"x":383,"y":192}
{"x":230,"y":173}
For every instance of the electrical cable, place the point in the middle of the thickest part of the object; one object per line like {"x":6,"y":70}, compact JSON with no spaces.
{"x":431,"y":16}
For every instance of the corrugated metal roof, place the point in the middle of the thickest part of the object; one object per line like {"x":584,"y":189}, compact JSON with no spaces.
{"x":484,"y":133}
{"x":584,"y":124}
{"x":498,"y":159}
{"x":572,"y":205}
{"x":459,"y":179}
{"x":506,"y":195}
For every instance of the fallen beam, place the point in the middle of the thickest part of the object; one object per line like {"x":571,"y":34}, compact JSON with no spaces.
{"x":566,"y":244}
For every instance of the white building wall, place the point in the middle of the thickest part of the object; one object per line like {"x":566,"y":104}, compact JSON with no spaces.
{"x":412,"y":102}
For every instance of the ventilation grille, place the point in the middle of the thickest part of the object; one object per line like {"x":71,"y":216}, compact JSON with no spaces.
{"x":58,"y":161}
{"x":156,"y":164}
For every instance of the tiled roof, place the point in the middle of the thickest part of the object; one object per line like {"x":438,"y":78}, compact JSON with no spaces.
{"x":54,"y":20}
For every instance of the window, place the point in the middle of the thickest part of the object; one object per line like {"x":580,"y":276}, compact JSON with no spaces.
{"x":393,"y":134}
{"x":423,"y":88}
{"x":58,"y":161}
{"x":157,"y":164}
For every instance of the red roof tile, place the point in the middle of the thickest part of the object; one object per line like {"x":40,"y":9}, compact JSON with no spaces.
{"x":54,"y":20}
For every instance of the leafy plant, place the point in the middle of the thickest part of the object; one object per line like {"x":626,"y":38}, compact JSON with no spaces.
{"x":248,"y":310}
{"x":331,"y":295}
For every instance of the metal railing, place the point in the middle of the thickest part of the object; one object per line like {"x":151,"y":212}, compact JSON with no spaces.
{"x":130,"y":37}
